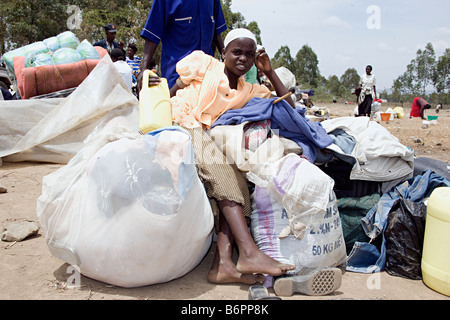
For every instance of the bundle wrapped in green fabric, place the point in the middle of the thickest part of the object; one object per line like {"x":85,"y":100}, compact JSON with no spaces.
{"x":87,"y":50}
{"x":52,"y":43}
{"x":66,"y":55}
{"x":43,"y":59}
{"x":67,"y":40}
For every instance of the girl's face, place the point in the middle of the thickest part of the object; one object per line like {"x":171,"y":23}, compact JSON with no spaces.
{"x":239,"y":56}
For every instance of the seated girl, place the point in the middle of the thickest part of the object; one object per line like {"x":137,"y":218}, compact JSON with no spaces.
{"x":206,"y":89}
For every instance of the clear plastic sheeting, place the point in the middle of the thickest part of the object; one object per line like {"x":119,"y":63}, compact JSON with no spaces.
{"x":53,"y":130}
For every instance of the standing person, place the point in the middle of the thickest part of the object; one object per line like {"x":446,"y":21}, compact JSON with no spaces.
{"x":367,"y":94}
{"x":182,"y":26}
{"x":118,"y":58}
{"x":133,"y":61}
{"x":418,"y":108}
{"x":109,"y":42}
{"x":205,"y":89}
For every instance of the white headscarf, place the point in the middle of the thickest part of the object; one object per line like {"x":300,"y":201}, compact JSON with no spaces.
{"x":239,"y":33}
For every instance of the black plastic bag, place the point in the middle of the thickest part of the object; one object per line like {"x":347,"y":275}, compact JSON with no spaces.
{"x":404,"y":235}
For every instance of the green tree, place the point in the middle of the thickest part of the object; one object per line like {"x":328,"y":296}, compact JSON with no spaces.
{"x":398,"y":90}
{"x":253,"y":27}
{"x":425,"y":67}
{"x":307,"y":67}
{"x":128,"y":15}
{"x":333,"y":85}
{"x":25,"y":22}
{"x":283,"y":58}
{"x":441,"y":79}
{"x":350,"y":79}
{"x":233,"y":20}
{"x":419,"y":74}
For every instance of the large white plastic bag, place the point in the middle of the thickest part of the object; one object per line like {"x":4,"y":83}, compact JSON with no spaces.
{"x":135,"y":215}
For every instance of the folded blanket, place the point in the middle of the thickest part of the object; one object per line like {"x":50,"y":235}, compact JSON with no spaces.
{"x":35,"y":81}
{"x":290,"y":123}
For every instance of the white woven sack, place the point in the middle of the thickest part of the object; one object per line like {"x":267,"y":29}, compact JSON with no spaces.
{"x":324,"y":248}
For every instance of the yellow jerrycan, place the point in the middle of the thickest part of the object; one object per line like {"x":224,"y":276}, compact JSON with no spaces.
{"x":155,"y":111}
{"x":436,"y":244}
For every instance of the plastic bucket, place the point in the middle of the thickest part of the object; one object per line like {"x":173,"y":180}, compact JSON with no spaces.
{"x":385,"y":116}
{"x":436,"y":245}
{"x":430,"y":118}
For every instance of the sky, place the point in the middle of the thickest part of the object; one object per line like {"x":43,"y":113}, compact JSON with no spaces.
{"x":352,"y":33}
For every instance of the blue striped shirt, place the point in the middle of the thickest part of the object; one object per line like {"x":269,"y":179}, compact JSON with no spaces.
{"x":135,"y":64}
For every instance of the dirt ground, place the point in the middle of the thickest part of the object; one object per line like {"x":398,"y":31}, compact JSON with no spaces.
{"x":30,"y":272}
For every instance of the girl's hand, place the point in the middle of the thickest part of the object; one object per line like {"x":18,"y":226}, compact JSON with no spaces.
{"x":262,"y":61}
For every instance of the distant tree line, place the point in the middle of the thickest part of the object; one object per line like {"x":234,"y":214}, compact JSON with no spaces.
{"x":425,"y":76}
{"x":24,"y":22}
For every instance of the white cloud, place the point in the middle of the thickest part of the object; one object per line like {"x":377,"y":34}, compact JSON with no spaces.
{"x":441,"y":31}
{"x":405,"y":50}
{"x":336,"y":22}
{"x":384,"y":47}
{"x":343,"y":59}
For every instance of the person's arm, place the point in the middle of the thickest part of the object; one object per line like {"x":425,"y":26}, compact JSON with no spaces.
{"x":421,"y":112}
{"x":146,"y":62}
{"x":374,"y":88}
{"x":218,"y":41}
{"x":262,"y":62}
{"x":177,"y":86}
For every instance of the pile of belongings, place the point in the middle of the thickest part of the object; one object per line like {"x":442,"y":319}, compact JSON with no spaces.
{"x":303,"y":177}
{"x":382,"y":191}
{"x":54,"y":64}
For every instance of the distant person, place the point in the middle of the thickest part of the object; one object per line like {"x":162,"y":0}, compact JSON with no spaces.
{"x":366,"y":92}
{"x":109,"y":42}
{"x":122,"y":67}
{"x":182,"y":27}
{"x":418,"y":108}
{"x":254,"y":75}
{"x":438,"y":107}
{"x":133,"y":61}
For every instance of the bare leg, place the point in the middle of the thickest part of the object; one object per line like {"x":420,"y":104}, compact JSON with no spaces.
{"x":223,"y":269}
{"x":251,"y":259}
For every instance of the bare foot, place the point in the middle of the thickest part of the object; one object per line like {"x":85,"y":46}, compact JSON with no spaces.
{"x":227,"y":273}
{"x":258,"y":262}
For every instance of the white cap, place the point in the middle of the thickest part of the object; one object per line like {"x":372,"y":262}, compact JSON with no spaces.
{"x":239,"y":33}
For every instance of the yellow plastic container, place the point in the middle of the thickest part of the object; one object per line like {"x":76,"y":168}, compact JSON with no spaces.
{"x":400,"y":112}
{"x":155,"y":111}
{"x":436,"y":244}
